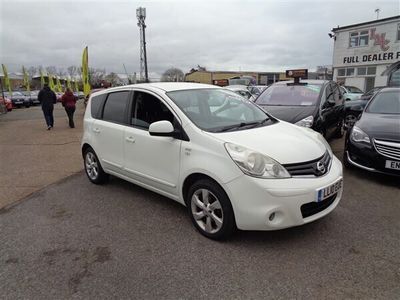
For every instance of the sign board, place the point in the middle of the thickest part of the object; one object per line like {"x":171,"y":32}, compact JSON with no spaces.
{"x":298,"y":73}
{"x":221,"y":82}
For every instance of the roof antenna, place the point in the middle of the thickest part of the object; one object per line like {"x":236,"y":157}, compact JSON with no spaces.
{"x":377,"y":13}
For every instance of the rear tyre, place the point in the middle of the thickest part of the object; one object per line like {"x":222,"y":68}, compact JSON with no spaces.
{"x":93,"y":168}
{"x":350,"y":120}
{"x":210,"y":210}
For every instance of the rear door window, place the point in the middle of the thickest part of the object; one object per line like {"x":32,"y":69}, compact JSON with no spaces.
{"x":116,"y":106}
{"x":95,"y":106}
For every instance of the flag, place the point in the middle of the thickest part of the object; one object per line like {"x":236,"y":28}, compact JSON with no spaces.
{"x":85,"y":72}
{"x":76,"y":86}
{"x":41,"y":77}
{"x":26,"y":79}
{"x":51,"y":82}
{"x":58,"y":85}
{"x":7,"y":80}
{"x":69,"y":84}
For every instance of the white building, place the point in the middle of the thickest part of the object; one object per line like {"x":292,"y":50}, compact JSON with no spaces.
{"x":362,"y":52}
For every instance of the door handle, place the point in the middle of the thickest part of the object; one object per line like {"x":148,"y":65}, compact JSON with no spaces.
{"x":96,"y":130}
{"x":130,"y":139}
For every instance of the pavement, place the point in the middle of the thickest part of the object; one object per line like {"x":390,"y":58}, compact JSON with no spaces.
{"x":33,"y":157}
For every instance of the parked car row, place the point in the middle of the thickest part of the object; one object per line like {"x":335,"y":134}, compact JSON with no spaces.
{"x":27,"y":99}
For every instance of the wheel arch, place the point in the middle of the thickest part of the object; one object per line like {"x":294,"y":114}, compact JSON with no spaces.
{"x":85,"y":146}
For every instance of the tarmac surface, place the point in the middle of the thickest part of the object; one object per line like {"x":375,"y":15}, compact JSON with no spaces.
{"x":33,"y":157}
{"x":74,"y":239}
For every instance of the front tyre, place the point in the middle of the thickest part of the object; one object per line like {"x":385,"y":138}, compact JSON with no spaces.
{"x":210,"y":210}
{"x":93,"y":168}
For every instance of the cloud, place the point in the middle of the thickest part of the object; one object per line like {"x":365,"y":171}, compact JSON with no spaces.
{"x":223,"y":35}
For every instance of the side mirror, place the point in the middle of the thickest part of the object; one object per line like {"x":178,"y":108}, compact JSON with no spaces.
{"x":161,"y":128}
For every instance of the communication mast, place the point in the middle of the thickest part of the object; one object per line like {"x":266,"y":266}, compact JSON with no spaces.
{"x":141,"y":16}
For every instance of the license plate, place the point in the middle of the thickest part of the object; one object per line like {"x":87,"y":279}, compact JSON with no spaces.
{"x":328,"y":191}
{"x":391,"y":164}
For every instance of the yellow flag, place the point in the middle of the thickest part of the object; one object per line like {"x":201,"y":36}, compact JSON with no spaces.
{"x":51,"y":82}
{"x":58,"y":86}
{"x":69,"y":84}
{"x":85,"y":72}
{"x":76,"y":85}
{"x":26,"y":79}
{"x":7,"y":80}
{"x":41,"y":78}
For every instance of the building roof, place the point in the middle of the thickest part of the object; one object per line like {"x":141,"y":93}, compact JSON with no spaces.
{"x":366,"y":23}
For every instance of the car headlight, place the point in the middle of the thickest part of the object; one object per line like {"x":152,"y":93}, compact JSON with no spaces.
{"x":254,"y":163}
{"x":306,"y":122}
{"x":359,"y":136}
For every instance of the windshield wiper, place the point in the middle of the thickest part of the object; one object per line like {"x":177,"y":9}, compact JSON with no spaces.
{"x":237,"y":126}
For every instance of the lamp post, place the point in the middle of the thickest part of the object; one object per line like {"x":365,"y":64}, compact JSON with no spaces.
{"x":141,"y":16}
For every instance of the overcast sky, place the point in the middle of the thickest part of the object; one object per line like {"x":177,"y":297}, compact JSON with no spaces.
{"x":220,"y":35}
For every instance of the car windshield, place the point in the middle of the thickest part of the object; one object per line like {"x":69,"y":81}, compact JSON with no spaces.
{"x":218,"y":110}
{"x":17,"y":94}
{"x":353,"y":89}
{"x":385,"y":103}
{"x":290,"y":95}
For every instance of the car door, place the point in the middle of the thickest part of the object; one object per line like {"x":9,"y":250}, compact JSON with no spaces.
{"x":108,"y":131}
{"x":327,"y":110}
{"x":153,"y":161}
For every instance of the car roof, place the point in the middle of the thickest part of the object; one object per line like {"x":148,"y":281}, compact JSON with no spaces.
{"x":309,"y":81}
{"x":162,"y":86}
{"x":390,"y":89}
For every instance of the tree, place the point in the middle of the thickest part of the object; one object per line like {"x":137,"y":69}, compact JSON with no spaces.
{"x":51,"y":70}
{"x":96,"y":76}
{"x":72,"y":71}
{"x":113,"y":79}
{"x":32,"y":72}
{"x":60,"y":72}
{"x":172,"y":74}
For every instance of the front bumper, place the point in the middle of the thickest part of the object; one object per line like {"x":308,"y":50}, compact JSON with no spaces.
{"x":255,"y":199}
{"x":366,"y":157}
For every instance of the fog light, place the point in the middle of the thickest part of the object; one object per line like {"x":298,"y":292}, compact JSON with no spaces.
{"x":272,"y":216}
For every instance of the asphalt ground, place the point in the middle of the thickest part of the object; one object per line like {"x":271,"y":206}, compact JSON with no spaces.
{"x":31,"y":157}
{"x":77,"y":240}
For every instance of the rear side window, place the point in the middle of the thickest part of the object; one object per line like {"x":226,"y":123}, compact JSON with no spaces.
{"x":96,"y":103}
{"x":115,"y":107}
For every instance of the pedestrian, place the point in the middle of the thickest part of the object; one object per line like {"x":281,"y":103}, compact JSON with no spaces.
{"x":68,"y":100}
{"x":47,"y":98}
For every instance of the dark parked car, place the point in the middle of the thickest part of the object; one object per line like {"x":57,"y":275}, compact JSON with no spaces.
{"x":32,"y":96}
{"x":18,"y":99}
{"x":354,"y":108}
{"x":317,"y":104}
{"x":373,"y":143}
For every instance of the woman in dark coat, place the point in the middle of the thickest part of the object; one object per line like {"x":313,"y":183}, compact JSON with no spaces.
{"x":68,"y":100}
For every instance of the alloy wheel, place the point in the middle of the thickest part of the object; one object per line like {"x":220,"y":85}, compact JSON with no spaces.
{"x":207,"y":211}
{"x":350,"y":120}
{"x":92,"y":167}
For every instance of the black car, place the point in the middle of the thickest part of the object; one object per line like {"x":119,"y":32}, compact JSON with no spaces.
{"x":353,"y":108}
{"x":317,"y":104}
{"x":18,"y":99}
{"x":373,"y":143}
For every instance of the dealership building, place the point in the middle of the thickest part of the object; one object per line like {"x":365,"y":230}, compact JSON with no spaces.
{"x":365,"y":52}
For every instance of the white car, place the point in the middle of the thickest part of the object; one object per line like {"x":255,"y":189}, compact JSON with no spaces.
{"x":241,"y":90}
{"x":226,"y":159}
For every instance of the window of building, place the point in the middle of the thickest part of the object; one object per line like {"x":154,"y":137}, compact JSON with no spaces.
{"x":341,"y":72}
{"x":350,"y":72}
{"x":371,"y":71}
{"x":398,"y":32}
{"x":115,"y":107}
{"x":362,"y":71}
{"x":359,"y":39}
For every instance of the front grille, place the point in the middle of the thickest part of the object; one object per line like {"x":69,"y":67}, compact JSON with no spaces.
{"x":313,"y":208}
{"x":388,"y":149}
{"x":310,"y":168}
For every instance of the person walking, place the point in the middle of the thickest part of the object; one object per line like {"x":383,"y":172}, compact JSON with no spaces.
{"x":47,"y":98}
{"x":68,"y":100}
